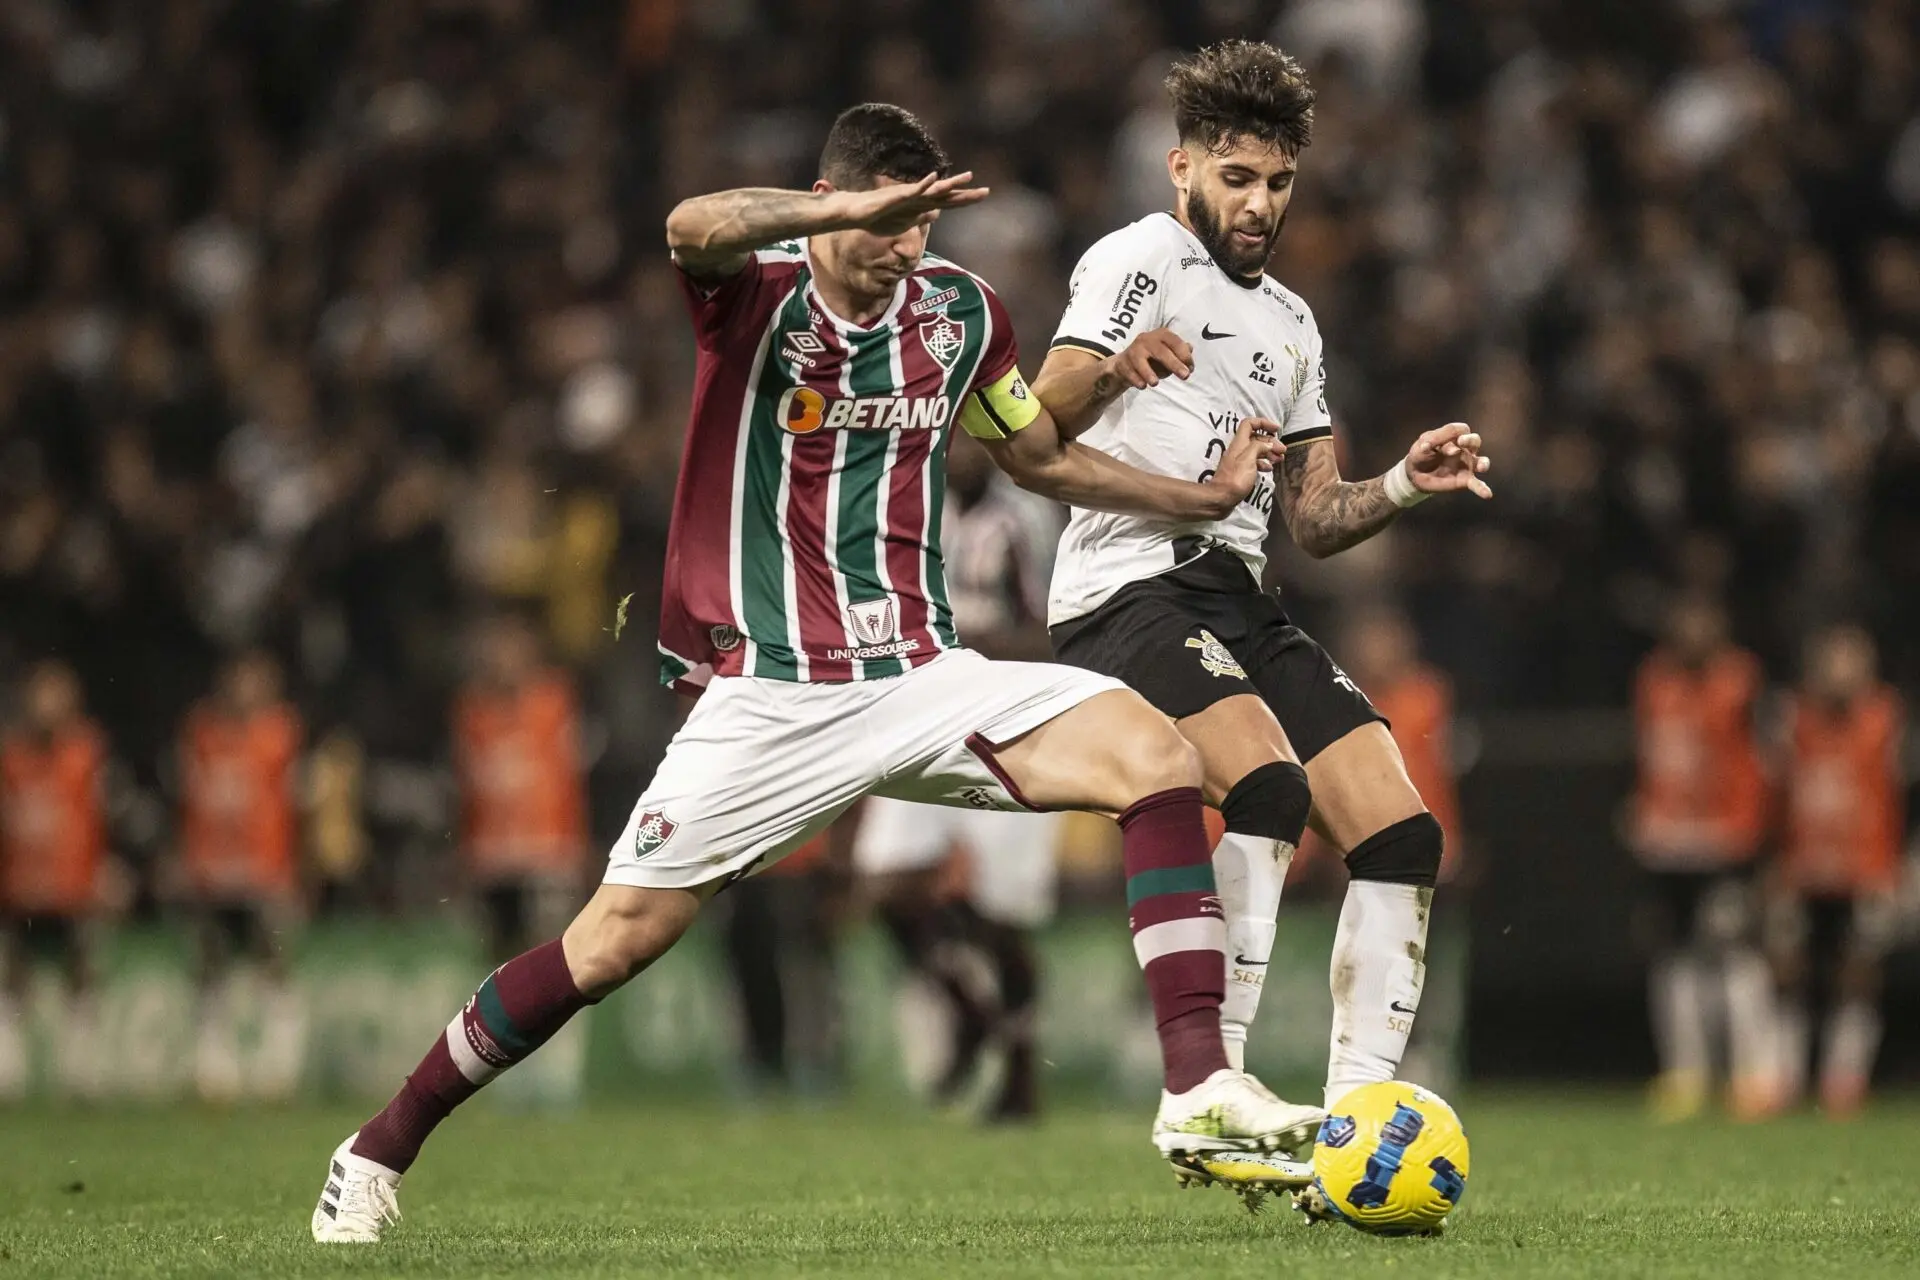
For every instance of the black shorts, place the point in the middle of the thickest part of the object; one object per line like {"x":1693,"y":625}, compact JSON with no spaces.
{"x":35,"y":937}
{"x":1714,"y":906}
{"x":238,"y":930}
{"x":1829,"y":930}
{"x":1205,"y":631}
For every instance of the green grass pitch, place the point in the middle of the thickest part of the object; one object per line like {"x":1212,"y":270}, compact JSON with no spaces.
{"x":1575,"y":1185}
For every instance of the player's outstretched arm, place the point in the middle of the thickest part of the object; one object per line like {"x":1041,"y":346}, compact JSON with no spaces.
{"x":1076,"y":385}
{"x":1326,"y":514}
{"x":713,"y":235}
{"x":1040,"y":460}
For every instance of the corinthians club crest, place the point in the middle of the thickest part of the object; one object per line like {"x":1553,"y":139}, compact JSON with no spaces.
{"x":944,"y":339}
{"x":1216,"y":657}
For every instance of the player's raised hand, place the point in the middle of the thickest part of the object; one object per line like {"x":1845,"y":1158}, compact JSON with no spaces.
{"x":900,"y":207}
{"x":1449,"y":458}
{"x":1155,"y":354}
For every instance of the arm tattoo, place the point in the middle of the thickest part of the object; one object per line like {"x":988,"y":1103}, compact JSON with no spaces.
{"x":1324,"y":513}
{"x":1107,"y":387}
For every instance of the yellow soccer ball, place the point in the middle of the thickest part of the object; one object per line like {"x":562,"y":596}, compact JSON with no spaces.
{"x":1391,"y":1159}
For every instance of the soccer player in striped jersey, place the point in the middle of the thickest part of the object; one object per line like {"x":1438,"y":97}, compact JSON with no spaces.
{"x":805,"y":602}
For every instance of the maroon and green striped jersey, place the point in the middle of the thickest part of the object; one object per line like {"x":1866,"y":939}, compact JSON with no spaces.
{"x":805,"y":542}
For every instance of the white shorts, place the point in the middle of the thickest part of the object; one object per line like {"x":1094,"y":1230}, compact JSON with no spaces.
{"x":762,"y":766}
{"x":1010,"y":855}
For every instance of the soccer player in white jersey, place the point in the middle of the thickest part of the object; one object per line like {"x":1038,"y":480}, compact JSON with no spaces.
{"x":1173,"y":334}
{"x":975,"y":947}
{"x":804,"y":601}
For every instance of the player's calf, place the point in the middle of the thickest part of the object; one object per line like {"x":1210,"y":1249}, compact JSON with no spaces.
{"x":519,"y":1007}
{"x":1266,"y":814}
{"x":1379,"y":951}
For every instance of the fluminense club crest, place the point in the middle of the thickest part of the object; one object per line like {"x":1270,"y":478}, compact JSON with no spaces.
{"x":1216,"y":657}
{"x":652,"y":830}
{"x":944,"y":338}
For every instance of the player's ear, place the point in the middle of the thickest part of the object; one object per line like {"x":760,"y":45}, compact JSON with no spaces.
{"x":1180,"y":167}
{"x":821,"y":186}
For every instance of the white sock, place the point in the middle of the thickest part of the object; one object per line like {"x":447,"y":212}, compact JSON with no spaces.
{"x":1248,"y":873}
{"x":281,"y":1055}
{"x":13,"y":1050}
{"x":1379,"y":967}
{"x":1751,"y":1034}
{"x":217,"y":1073}
{"x":1791,"y":1049}
{"x":81,"y":1065}
{"x":1680,"y":1014}
{"x":1853,"y":1040}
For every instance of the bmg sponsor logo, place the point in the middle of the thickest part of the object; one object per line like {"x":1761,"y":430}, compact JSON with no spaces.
{"x":1127,"y":305}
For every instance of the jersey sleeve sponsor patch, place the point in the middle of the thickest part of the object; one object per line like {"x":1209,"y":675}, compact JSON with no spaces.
{"x":1116,"y":294}
{"x":1002,"y":407}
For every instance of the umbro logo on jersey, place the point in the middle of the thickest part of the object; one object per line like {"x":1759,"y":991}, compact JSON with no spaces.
{"x":1206,"y":331}
{"x":800,"y":347}
{"x":933,"y":302}
{"x":1262,"y":371}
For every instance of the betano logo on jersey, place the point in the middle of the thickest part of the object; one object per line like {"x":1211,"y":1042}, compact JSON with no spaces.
{"x":803,"y":410}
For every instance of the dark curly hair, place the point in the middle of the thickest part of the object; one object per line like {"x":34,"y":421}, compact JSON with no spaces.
{"x":879,"y":140}
{"x":1241,"y":90}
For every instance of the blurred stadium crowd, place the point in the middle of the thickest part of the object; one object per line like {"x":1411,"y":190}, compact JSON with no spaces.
{"x":335,"y":327}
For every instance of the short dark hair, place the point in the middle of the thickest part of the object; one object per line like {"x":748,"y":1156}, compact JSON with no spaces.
{"x":879,"y":140}
{"x":1241,"y":89}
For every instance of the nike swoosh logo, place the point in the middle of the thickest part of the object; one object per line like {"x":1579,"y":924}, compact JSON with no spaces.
{"x":1251,"y":964}
{"x":1206,"y":331}
{"x":1397,"y":1007}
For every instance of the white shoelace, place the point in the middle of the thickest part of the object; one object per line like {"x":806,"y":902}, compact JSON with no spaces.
{"x":363,"y":1195}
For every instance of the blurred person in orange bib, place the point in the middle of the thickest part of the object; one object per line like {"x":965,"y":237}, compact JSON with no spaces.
{"x":1695,"y":823}
{"x":53,"y":848}
{"x":516,"y":729}
{"x":1833,"y":910}
{"x":239,"y":758}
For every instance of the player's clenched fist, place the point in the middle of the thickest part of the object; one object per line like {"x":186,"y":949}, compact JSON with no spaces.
{"x":1155,"y":354}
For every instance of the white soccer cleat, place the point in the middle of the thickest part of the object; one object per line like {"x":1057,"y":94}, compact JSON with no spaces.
{"x":1232,"y":1111}
{"x":360,"y":1199}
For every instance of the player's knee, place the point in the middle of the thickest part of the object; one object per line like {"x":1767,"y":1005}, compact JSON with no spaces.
{"x":612,"y":941}
{"x":1271,"y":802}
{"x":1408,"y":852}
{"x":1158,"y":760}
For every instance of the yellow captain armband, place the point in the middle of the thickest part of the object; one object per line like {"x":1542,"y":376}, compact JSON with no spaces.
{"x":996,"y":411}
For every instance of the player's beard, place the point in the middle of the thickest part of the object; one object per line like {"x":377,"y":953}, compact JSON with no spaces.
{"x":1243,"y":264}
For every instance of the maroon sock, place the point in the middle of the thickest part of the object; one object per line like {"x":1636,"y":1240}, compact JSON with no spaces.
{"x":515,"y":1011}
{"x":1179,"y":933}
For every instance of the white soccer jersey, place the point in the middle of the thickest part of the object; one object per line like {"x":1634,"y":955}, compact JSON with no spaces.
{"x":1256,"y":353}
{"x":997,"y":555}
